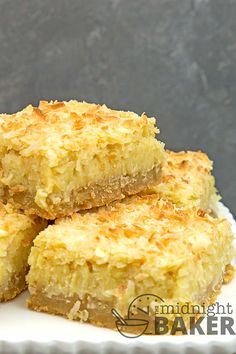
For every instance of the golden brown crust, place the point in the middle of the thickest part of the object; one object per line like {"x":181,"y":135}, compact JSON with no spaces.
{"x":157,"y":224}
{"x":52,"y":112}
{"x":37,"y":124}
{"x":229,"y":274}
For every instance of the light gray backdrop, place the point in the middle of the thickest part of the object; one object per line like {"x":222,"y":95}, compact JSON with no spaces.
{"x":174,"y":59}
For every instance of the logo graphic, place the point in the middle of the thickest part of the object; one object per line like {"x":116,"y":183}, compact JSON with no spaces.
{"x":141,"y":316}
{"x":149,"y":314}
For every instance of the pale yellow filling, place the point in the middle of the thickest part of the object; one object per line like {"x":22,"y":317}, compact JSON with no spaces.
{"x":78,"y":169}
{"x":187,"y":181}
{"x":16,"y":237}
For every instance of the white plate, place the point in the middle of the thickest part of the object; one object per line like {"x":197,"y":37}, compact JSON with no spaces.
{"x":24,"y":331}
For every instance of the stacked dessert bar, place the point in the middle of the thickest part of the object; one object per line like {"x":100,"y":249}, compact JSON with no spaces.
{"x":128,"y":218}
